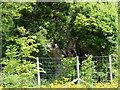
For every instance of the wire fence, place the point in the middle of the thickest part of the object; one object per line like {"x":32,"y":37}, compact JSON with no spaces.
{"x":81,"y":69}
{"x":99,"y":68}
{"x":57,"y":68}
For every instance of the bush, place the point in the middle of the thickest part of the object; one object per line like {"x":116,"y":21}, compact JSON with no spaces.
{"x":17,"y":72}
{"x":87,"y":70}
{"x":68,"y":67}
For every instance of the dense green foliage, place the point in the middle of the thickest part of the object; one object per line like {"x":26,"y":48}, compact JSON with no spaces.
{"x":77,"y":28}
{"x":12,"y":31}
{"x":68,"y":67}
{"x":90,"y":26}
{"x":18,"y":71}
{"x":97,"y":28}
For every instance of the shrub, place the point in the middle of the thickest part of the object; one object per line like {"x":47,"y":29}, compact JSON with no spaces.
{"x":17,"y":72}
{"x":68,"y":67}
{"x":87,"y":70}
